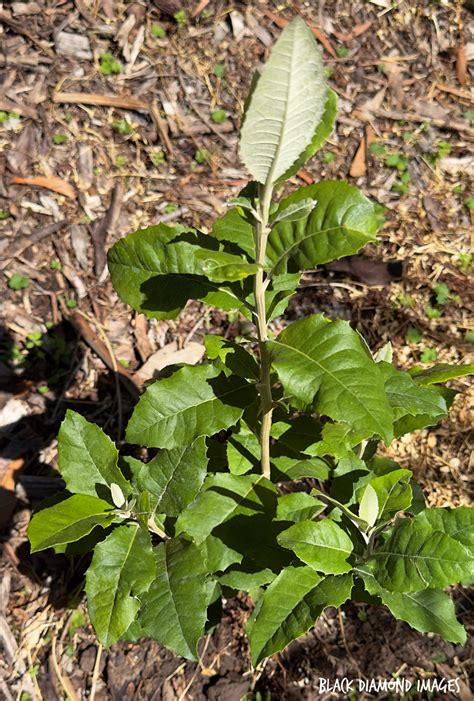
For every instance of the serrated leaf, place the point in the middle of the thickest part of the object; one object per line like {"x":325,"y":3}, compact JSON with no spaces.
{"x":393,"y":492}
{"x":88,"y":458}
{"x":68,"y":521}
{"x":458,"y":522}
{"x":342,"y":221}
{"x":369,"y":505}
{"x":234,"y":357}
{"x":155,"y":273}
{"x":286,"y":105}
{"x":298,"y":506}
{"x":226,"y":496}
{"x":415,"y":557}
{"x":321,"y":133}
{"x":243,"y":451}
{"x":114,"y":581}
{"x":407,"y":397}
{"x":290,"y":607}
{"x":325,"y":362}
{"x":193,"y":402}
{"x":236,"y":229}
{"x":173,"y":478}
{"x":322,"y":545}
{"x":217,"y":556}
{"x":441,"y":373}
{"x":246,"y":581}
{"x":174,"y":609}
{"x":428,"y":611}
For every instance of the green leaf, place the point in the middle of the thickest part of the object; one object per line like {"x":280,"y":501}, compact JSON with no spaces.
{"x":224,"y":497}
{"x":322,"y":545}
{"x":236,"y":229}
{"x":68,"y":521}
{"x":235,"y":359}
{"x":243,"y":451}
{"x":325,"y":362}
{"x":441,"y":373}
{"x":158,"y":269}
{"x":298,"y":506}
{"x":193,"y":402}
{"x":174,"y":477}
{"x":342,"y":221}
{"x":246,"y":581}
{"x":296,"y":211}
{"x":286,"y":105}
{"x":415,"y":557}
{"x":322,"y":131}
{"x":174,"y":609}
{"x":393,"y":492}
{"x":114,"y":581}
{"x":458,"y":523}
{"x":220,"y":266}
{"x":428,"y":611}
{"x":407,"y":397}
{"x":290,"y":606}
{"x":217,"y":556}
{"x":88,"y":458}
{"x":369,"y":505}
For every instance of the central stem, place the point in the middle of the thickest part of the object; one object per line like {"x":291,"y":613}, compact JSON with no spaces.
{"x":265,"y":389}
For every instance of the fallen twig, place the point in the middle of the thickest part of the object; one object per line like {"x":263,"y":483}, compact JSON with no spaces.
{"x":455,"y":91}
{"x":453,"y":124}
{"x":84,"y":329}
{"x":84,"y":98}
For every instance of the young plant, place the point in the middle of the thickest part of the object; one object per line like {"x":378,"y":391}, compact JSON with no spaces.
{"x":205,"y":516}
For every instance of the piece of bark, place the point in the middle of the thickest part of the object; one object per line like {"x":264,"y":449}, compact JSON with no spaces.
{"x":50,"y":182}
{"x":19,"y":28}
{"x":105,"y":226}
{"x":24,"y":151}
{"x":143,"y":344}
{"x":461,"y":65}
{"x":75,"y":46}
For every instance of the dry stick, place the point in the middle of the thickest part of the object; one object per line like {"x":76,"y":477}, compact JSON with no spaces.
{"x":63,"y":680}
{"x":452,"y":124}
{"x":27,"y":241}
{"x":455,"y":91}
{"x":83,"y":98}
{"x":161,"y":127}
{"x":95,"y":674}
{"x":99,"y":347}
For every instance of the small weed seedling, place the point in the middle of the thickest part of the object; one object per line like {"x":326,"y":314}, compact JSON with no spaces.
{"x":206,"y":516}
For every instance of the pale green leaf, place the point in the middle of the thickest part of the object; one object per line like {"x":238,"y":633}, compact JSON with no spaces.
{"x":296,"y":211}
{"x":393,"y":492}
{"x":193,"y":402}
{"x":290,"y":607}
{"x":322,"y":131}
{"x":235,"y":359}
{"x":115,"y":580}
{"x":325,"y":362}
{"x":342,"y":222}
{"x":174,"y":609}
{"x":246,"y":581}
{"x":88,"y":458}
{"x":286,"y":105}
{"x":322,"y":545}
{"x":68,"y":521}
{"x":369,"y":505}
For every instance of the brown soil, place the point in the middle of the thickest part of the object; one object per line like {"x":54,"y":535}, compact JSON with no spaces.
{"x":402,"y":82}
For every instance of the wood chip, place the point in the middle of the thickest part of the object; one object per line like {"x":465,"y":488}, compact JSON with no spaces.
{"x":461,"y":65}
{"x":73,"y":45}
{"x":50,"y":182}
{"x":191,"y":354}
